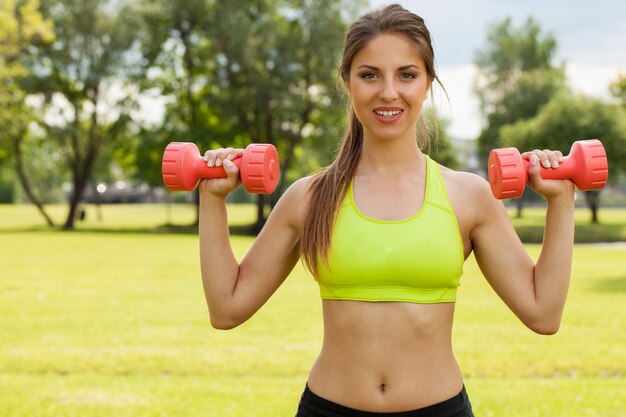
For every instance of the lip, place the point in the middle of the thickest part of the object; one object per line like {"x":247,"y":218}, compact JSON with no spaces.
{"x":387,"y":119}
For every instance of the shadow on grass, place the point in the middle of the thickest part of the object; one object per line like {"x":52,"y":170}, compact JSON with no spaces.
{"x":172,"y":229}
{"x":234,"y":230}
{"x":588,"y":233}
{"x":613,"y":285}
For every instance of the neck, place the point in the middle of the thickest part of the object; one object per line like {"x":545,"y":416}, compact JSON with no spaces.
{"x":394,"y":157}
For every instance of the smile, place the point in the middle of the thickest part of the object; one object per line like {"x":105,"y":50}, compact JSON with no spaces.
{"x":387,"y":113}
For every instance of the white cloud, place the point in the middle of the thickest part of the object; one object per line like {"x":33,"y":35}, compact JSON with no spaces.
{"x":592,"y":79}
{"x":462,"y":108}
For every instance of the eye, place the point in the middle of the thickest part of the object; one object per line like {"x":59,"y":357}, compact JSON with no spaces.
{"x":368,"y":75}
{"x":408,"y":75}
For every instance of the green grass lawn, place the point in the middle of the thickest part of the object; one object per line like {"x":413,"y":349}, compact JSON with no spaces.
{"x":111,"y":321}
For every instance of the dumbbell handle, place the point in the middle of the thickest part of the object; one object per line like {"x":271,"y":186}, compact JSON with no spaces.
{"x":205,"y":171}
{"x":566,"y":169}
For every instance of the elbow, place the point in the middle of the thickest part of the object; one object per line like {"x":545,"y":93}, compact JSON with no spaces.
{"x":222,"y":324}
{"x":545,"y":327}
{"x":546,"y":330}
{"x":224,"y":321}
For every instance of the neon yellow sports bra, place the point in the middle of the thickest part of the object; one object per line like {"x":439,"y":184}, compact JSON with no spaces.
{"x":418,"y":259}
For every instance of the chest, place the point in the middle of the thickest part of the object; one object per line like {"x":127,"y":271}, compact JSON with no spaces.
{"x":388,"y":199}
{"x":423,"y":250}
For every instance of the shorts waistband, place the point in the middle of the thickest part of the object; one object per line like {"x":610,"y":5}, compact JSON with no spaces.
{"x":312,"y":405}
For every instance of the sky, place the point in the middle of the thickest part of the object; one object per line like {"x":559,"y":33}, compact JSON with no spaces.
{"x":590,"y":35}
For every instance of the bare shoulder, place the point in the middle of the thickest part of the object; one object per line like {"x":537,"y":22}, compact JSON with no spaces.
{"x":297,"y":195}
{"x":300,"y":187}
{"x":293,"y":204}
{"x":465,"y":184}
{"x":471,"y":198}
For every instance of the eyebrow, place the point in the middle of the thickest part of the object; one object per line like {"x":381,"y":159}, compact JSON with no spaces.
{"x":402,"y":68}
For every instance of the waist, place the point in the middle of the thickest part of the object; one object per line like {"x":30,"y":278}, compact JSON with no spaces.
{"x":383,"y":354}
{"x":395,"y":383}
{"x":452,"y":406}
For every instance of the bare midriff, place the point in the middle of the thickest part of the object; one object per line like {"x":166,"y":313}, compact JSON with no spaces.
{"x":386,"y":356}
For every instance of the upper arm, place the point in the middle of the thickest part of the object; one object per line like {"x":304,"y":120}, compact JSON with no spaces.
{"x":500,"y":254}
{"x":274,"y":252}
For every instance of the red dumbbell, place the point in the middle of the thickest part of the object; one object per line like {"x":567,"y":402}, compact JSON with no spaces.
{"x":183,"y":167}
{"x":586,"y":165}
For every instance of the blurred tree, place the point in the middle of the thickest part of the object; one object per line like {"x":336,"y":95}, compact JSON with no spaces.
{"x":21,"y":25}
{"x":618,"y":89}
{"x":81,"y":76}
{"x":277,"y":71}
{"x":178,"y":65}
{"x":567,"y":118}
{"x":253,"y":71}
{"x":441,"y":148}
{"x":516,"y":77}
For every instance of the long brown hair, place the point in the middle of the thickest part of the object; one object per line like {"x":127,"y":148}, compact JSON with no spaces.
{"x":329,"y":186}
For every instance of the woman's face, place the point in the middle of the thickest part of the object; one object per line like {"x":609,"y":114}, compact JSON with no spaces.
{"x":388,"y":84}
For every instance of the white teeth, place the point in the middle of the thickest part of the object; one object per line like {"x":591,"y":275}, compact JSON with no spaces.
{"x":387,"y":113}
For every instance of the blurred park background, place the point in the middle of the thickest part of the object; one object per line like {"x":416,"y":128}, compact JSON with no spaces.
{"x":101,"y":306}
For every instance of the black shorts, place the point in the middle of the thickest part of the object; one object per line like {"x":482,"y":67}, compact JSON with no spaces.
{"x":312,"y":405}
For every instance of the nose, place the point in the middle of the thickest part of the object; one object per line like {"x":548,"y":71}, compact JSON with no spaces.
{"x":388,"y":91}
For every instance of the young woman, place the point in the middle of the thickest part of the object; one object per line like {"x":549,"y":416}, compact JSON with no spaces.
{"x":385,"y":231}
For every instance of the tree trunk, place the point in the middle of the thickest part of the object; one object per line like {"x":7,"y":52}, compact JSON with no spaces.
{"x":25,"y":183}
{"x":593,"y":201}
{"x":81,"y":176}
{"x":82,"y":167}
{"x":519,"y":203}
{"x":260,"y":214}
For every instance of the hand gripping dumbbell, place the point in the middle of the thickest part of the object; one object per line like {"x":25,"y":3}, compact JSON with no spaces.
{"x":183,"y":167}
{"x":586,"y":165}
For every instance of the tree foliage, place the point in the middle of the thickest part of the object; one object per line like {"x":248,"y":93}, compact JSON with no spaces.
{"x":81,"y":77}
{"x":618,"y":89}
{"x":227,"y":73}
{"x":21,"y":25}
{"x":250,"y":71}
{"x":516,"y":77}
{"x":441,"y":148}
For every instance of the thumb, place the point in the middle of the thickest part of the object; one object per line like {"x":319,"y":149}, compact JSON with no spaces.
{"x":230,"y":168}
{"x":534,"y":171}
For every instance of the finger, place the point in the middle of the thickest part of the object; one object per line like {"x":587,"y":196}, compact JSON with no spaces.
{"x":230,"y":154}
{"x":230,"y":168}
{"x":553,"y":159}
{"x":234,"y":153}
{"x":220,"y":155}
{"x":227,"y":154}
{"x":534,"y":170}
{"x":210,"y":156}
{"x":559,"y":156}
{"x":542,"y":157}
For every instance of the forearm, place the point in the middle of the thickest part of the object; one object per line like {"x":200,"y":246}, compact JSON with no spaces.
{"x":553,"y":268}
{"x":218,"y":264}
